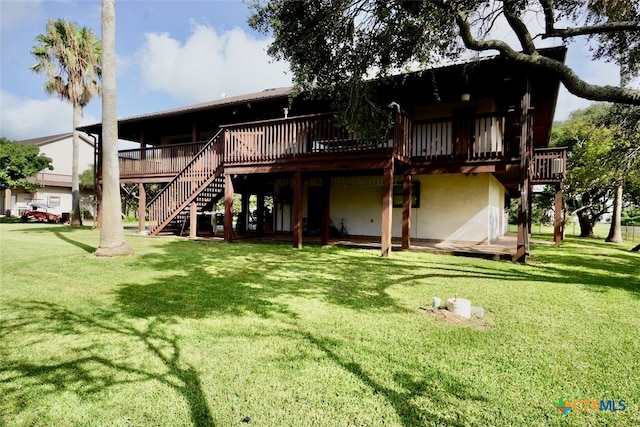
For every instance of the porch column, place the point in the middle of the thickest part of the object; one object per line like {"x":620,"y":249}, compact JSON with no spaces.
{"x":228,"y":208}
{"x":387,"y":208}
{"x":298,"y":193}
{"x":325,"y":221}
{"x":142,"y":207}
{"x":406,"y":212}
{"x":193,"y":220}
{"x":558,"y":223}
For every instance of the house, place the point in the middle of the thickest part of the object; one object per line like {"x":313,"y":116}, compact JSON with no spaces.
{"x":54,"y":186}
{"x":465,"y":139}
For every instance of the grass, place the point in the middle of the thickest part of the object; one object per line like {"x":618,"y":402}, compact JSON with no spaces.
{"x":202,"y":333}
{"x":601,"y":230}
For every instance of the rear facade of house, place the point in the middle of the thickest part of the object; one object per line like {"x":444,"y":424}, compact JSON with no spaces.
{"x":464,"y":140}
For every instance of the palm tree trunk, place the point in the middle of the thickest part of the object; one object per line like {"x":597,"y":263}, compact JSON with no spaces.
{"x":615,"y":231}
{"x":75,"y":173}
{"x":112,"y":240}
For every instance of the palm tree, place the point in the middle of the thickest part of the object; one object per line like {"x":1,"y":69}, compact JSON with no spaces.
{"x":112,"y":241}
{"x":71,"y":58}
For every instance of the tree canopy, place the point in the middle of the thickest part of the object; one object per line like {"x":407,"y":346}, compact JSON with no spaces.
{"x":604,"y":153}
{"x":19,"y":162}
{"x":71,"y":58}
{"x":340,"y":43}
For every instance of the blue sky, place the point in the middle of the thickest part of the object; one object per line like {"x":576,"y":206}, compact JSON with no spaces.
{"x":170,"y":54}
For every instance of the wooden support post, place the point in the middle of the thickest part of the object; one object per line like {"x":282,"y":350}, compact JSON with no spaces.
{"x":387,"y":209}
{"x":298,"y":194}
{"x":526,"y":153}
{"x":193,"y":220}
{"x":228,"y":208}
{"x":558,"y":223}
{"x":260,"y":212}
{"x":243,"y":217}
{"x":142,"y":208}
{"x":529,"y":210}
{"x":522,"y":248}
{"x":325,"y":221}
{"x":406,"y":212}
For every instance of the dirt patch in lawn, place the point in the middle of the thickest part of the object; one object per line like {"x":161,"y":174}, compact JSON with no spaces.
{"x":480,"y":323}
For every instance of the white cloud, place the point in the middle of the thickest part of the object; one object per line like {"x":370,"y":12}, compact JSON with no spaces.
{"x":25,"y":118}
{"x":208,"y":64}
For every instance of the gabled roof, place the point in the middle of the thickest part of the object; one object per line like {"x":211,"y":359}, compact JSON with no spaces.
{"x":224,"y":102}
{"x":44,"y":140}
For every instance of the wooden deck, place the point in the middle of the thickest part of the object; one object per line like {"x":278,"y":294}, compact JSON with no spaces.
{"x":314,"y":142}
{"x":201,"y":173}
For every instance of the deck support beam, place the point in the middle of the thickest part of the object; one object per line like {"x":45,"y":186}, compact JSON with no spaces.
{"x":325,"y":219}
{"x":298,"y":193}
{"x":406,"y":212}
{"x":228,"y":208}
{"x":142,"y":208}
{"x":387,"y":209}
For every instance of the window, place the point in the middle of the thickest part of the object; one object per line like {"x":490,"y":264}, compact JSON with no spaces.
{"x":54,"y":201}
{"x":398,"y":195}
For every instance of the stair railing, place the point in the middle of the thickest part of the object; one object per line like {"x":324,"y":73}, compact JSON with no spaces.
{"x":205,"y":166}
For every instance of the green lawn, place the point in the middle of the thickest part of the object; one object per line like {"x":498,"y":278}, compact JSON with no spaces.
{"x":201,"y":333}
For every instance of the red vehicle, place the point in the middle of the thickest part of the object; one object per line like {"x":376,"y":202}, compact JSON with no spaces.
{"x":40,"y":212}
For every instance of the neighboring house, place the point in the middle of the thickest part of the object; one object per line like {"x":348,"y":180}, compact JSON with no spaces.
{"x":54,"y":186}
{"x":464,"y":140}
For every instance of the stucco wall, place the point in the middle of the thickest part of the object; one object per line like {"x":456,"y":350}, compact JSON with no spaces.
{"x":453,"y":207}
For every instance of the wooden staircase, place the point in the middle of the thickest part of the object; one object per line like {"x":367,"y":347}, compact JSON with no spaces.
{"x":201,"y":181}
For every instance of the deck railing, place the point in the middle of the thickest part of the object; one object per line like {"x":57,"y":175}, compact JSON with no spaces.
{"x":161,"y":160}
{"x":298,"y":137}
{"x":482,"y":137}
{"x":548,"y":165}
{"x":202,"y":169}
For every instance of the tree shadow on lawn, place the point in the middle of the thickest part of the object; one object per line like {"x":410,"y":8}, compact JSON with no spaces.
{"x":91,"y":369}
{"x":432,"y":384}
{"x":205,"y":278}
{"x":60,"y":228}
{"x":76,"y":243}
{"x":598,"y":272}
{"x":602,"y":266}
{"x":202,"y":278}
{"x":61,"y":232}
{"x":199,"y":279}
